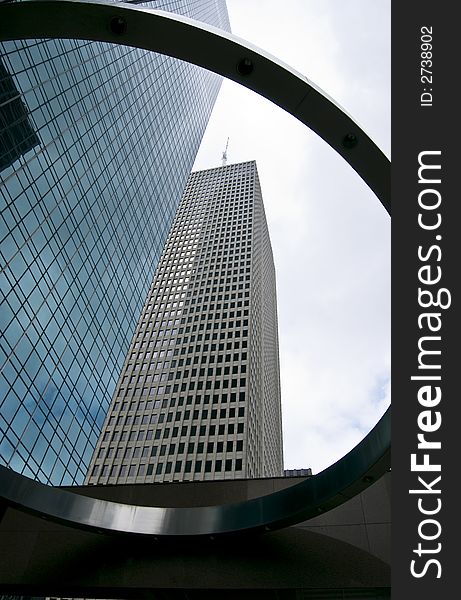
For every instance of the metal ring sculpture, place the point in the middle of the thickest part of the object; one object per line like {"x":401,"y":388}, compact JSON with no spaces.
{"x":235,"y":59}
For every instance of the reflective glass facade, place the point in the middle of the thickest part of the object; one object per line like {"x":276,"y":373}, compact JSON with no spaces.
{"x":97,"y":143}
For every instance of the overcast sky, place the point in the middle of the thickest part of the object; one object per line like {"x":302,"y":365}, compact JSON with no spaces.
{"x":330,"y":235}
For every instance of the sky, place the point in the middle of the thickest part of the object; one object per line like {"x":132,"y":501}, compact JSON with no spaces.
{"x":330,"y":235}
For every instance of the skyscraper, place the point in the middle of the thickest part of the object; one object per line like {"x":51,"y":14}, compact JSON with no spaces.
{"x":97,"y":142}
{"x":199,"y":394}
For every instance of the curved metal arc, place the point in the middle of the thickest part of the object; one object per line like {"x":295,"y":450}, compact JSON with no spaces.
{"x":286,"y":507}
{"x":215,"y":50}
{"x":220,"y":52}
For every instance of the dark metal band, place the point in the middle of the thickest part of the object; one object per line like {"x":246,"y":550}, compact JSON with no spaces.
{"x":235,"y":59}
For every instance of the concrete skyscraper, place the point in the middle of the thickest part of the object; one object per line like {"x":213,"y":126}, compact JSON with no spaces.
{"x":199,"y":394}
{"x":96,"y":143}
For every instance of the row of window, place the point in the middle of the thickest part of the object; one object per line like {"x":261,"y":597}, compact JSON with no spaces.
{"x":153,"y":391}
{"x":144,"y":405}
{"x":151,"y":419}
{"x":189,"y":231}
{"x":157,"y":330}
{"x":235,"y":327}
{"x":124,"y":453}
{"x":204,"y":181}
{"x":220,"y":358}
{"x":168,"y":352}
{"x":190,"y":218}
{"x":179,"y":466}
{"x":139,"y":377}
{"x":132,"y":435}
{"x":208,"y":337}
{"x":217,"y":195}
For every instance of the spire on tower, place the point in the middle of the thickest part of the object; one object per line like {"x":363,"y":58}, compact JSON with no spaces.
{"x":224,"y":154}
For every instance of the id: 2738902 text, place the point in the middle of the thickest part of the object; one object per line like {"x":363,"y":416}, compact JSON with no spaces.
{"x":426,"y":65}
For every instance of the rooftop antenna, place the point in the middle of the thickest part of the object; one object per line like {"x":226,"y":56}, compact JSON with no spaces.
{"x":224,"y":154}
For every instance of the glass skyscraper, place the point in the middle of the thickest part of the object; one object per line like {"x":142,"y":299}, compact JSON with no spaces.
{"x":199,"y":394}
{"x":96,"y":142}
